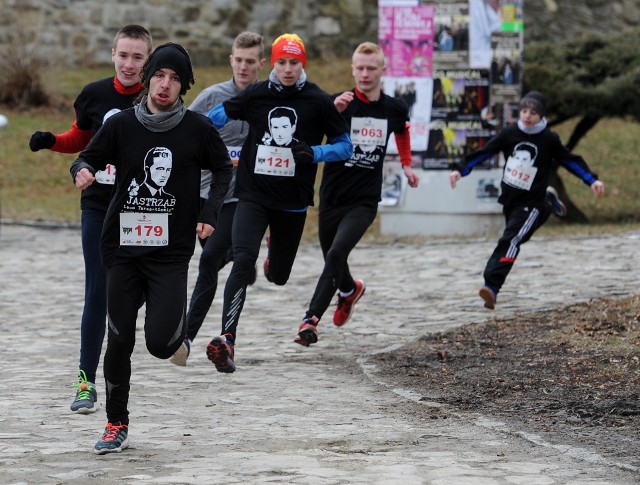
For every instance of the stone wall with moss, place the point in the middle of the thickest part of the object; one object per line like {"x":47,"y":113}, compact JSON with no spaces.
{"x":80,"y":32}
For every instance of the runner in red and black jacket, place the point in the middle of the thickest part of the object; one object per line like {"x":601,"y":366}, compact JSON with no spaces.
{"x":96,"y":102}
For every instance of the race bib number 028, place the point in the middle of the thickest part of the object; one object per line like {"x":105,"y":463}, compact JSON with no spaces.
{"x":275,"y":160}
{"x":144,"y":229}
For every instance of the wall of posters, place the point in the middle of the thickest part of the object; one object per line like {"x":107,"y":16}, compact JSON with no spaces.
{"x":462,"y":80}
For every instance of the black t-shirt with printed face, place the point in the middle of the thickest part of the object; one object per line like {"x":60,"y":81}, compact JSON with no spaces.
{"x":276,"y":119}
{"x":359,"y":179}
{"x":95,"y":103}
{"x":158,"y":177}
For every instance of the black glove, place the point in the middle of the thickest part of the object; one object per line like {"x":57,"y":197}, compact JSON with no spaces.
{"x":42,"y":139}
{"x":302,"y":153}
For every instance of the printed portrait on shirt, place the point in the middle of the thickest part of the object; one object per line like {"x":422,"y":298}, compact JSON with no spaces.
{"x":519,"y":170}
{"x":282,"y":122}
{"x":524,"y":153}
{"x":150,"y":194}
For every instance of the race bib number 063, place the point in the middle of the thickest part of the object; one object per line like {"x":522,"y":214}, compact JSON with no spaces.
{"x":144,"y":229}
{"x":368,"y":131}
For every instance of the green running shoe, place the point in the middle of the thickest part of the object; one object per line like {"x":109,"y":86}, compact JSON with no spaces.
{"x":86,"y":395}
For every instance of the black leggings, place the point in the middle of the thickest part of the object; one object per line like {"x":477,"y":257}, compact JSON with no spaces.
{"x":521,"y":223}
{"x":339,"y":230}
{"x":163,"y":286}
{"x":213,"y":258}
{"x":249,"y":226}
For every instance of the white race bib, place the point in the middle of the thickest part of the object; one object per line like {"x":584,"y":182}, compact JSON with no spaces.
{"x":234,"y":154}
{"x":144,"y":229}
{"x":106,"y":176}
{"x":368,"y":131}
{"x":519,"y":175}
{"x":275,"y":160}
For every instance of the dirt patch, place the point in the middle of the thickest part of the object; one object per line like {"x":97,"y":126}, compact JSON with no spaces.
{"x":571,"y":375}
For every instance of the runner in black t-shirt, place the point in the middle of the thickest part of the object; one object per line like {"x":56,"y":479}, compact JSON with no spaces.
{"x":288,"y":118}
{"x":531,"y":151}
{"x":98,"y":101}
{"x":148,"y":236}
{"x":350,"y":189}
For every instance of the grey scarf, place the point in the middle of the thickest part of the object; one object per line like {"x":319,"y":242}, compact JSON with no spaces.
{"x":163,"y":121}
{"x":275,"y":83}
{"x":535,"y":129}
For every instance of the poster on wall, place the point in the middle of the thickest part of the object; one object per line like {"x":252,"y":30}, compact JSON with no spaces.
{"x":406,"y":38}
{"x":460,"y":94}
{"x":450,"y":140}
{"x":391,"y":182}
{"x":416,"y":92}
{"x":485,"y":19}
{"x":511,"y":16}
{"x":451,"y":38}
{"x":506,"y":66}
{"x":398,"y":3}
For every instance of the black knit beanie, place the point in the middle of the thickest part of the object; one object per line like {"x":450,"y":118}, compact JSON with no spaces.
{"x":535,"y":101}
{"x":172,"y":56}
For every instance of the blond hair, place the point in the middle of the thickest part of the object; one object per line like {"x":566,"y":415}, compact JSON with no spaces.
{"x":370,"y":48}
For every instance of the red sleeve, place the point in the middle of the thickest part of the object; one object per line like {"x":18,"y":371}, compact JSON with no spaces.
{"x":72,"y":141}
{"x":403,"y":142}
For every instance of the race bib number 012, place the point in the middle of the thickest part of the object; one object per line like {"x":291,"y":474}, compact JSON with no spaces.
{"x":144,"y":229}
{"x":275,"y":160}
{"x":518,"y":174}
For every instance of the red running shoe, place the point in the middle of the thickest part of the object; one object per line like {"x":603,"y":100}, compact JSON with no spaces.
{"x":308,"y":332}
{"x":345,"y":304}
{"x":220,"y":351}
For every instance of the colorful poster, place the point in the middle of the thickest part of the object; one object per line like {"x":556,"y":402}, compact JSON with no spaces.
{"x":511,"y":16}
{"x":506,"y":66}
{"x":406,"y":38}
{"x":398,"y":3}
{"x":460,"y":94}
{"x":451,"y":37}
{"x":449,"y":141}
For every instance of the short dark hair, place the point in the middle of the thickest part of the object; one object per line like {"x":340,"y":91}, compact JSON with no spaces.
{"x":134,"y":31}
{"x":246,"y":40}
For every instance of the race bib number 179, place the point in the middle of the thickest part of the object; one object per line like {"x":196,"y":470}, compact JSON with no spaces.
{"x":144,"y":229}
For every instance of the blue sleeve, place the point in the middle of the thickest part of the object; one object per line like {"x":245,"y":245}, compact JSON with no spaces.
{"x":473,"y":162}
{"x":218,"y":116}
{"x":338,"y":148}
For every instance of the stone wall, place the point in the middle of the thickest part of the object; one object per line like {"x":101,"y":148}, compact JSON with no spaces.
{"x":80,"y":32}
